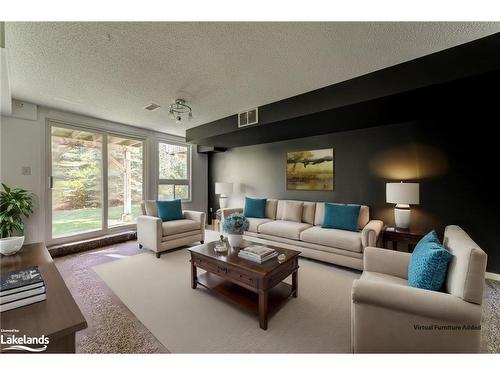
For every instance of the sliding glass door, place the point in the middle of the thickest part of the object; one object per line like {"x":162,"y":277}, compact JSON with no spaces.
{"x":76,"y":181}
{"x":125,"y":170}
{"x":96,"y":181}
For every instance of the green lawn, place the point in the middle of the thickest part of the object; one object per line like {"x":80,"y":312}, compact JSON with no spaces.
{"x":85,"y":219}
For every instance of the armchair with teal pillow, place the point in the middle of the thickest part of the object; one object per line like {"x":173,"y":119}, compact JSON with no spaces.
{"x":387,"y":312}
{"x":163,"y":225}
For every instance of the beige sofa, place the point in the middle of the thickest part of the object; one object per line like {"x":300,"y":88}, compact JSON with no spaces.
{"x":304,"y":232}
{"x":388,"y":316}
{"x":160,"y":236}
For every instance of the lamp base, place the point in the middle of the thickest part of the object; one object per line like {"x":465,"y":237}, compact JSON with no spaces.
{"x":402,"y":216}
{"x":222,"y":202}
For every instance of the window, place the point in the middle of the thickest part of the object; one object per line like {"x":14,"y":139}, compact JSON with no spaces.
{"x":125,"y":170}
{"x":173,"y":171}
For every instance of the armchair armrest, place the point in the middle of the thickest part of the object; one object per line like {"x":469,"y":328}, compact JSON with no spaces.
{"x":225,"y":212}
{"x":389,"y":262}
{"x":149,"y":232}
{"x":197,"y":216}
{"x":435,"y":305}
{"x":370,"y":233}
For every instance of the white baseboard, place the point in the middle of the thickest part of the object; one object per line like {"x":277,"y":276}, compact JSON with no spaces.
{"x":492,"y":276}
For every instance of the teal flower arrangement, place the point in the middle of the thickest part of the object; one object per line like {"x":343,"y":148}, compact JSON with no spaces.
{"x":235,"y":224}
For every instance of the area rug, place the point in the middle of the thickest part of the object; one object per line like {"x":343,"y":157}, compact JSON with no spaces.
{"x":158,"y":293}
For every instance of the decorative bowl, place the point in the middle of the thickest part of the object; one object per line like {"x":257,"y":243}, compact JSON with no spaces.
{"x":11,"y":245}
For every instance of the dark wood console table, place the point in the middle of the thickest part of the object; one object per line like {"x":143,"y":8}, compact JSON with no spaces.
{"x":58,"y":317}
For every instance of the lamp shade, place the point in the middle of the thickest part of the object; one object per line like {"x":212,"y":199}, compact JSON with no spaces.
{"x":402,"y":193}
{"x":223,"y":188}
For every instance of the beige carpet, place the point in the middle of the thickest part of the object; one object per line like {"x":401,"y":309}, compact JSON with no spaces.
{"x":158,"y":292}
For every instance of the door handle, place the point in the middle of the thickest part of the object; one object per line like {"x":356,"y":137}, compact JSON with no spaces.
{"x":51,"y":182}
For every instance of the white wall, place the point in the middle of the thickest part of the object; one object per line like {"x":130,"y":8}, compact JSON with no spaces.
{"x":23,"y":144}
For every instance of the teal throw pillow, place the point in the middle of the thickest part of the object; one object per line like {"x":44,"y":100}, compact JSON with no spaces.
{"x":341,"y":216}
{"x":255,"y":207}
{"x":428,"y":263}
{"x":169,"y":210}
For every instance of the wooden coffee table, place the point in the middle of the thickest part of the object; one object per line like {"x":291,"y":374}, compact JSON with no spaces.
{"x":256,"y":287}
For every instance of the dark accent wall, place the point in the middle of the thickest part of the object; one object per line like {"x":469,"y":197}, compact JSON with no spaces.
{"x":452,"y":151}
{"x":391,"y":95}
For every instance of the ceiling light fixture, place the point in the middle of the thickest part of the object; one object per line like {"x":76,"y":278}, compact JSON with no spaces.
{"x":179,"y":109}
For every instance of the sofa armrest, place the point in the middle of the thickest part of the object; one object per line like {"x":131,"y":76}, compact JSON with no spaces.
{"x":149,"y":232}
{"x":389,"y":262}
{"x":425,"y":303}
{"x":225,"y":212}
{"x":370,"y":233}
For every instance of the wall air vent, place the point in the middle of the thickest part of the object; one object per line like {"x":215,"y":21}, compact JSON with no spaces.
{"x":152,"y":107}
{"x":250,"y":117}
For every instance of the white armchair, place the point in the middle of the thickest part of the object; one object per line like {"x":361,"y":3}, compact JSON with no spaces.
{"x":160,"y":236}
{"x":388,"y":316}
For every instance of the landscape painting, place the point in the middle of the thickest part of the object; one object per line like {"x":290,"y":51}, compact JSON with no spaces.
{"x":310,"y":170}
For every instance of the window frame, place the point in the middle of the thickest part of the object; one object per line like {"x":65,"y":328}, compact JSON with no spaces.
{"x":174,"y":182}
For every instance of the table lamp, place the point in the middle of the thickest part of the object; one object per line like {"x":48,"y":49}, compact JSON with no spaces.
{"x":223,"y":188}
{"x":402,"y":194}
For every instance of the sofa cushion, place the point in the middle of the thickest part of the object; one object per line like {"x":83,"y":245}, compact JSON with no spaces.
{"x":280,"y":241}
{"x":293,"y":211}
{"x":308,"y":210}
{"x":341,"y":216}
{"x":255,"y":222}
{"x":363,"y":219}
{"x":255,"y":207}
{"x":169,"y":210}
{"x":383,"y":278}
{"x":340,"y":239}
{"x":283,"y":228}
{"x":428,"y":264}
{"x":179,"y":226}
{"x":271,"y":206}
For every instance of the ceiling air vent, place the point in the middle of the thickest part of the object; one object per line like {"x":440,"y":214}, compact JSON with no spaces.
{"x":249,"y":117}
{"x":152,"y":107}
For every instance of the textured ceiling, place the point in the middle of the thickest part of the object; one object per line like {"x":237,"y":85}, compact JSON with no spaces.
{"x":112,"y":70}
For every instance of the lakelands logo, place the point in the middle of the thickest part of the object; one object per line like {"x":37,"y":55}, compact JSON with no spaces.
{"x":22,"y":342}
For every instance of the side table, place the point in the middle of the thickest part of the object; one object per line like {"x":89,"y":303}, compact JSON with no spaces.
{"x":397,"y":235}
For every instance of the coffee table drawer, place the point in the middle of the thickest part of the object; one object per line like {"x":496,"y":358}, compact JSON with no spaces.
{"x":206,"y":264}
{"x":241,"y":276}
{"x":280,"y":273}
{"x":228,"y":272}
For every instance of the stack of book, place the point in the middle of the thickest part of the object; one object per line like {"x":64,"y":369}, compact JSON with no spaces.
{"x":21,"y":288}
{"x":258,"y":254}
